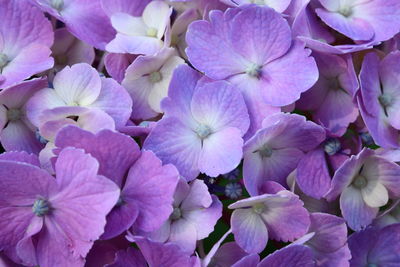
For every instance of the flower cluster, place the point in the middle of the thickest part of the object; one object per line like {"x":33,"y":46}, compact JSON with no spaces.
{"x":200,"y":133}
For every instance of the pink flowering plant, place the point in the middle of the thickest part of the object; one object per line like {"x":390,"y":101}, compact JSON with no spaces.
{"x":200,"y":133}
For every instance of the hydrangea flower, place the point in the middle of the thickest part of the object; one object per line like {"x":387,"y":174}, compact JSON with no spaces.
{"x":16,"y":132}
{"x":327,"y":238}
{"x":378,"y":98}
{"x":315,"y":170}
{"x":331,"y":98}
{"x":202,"y":127}
{"x":68,"y":50}
{"x":278,"y":214}
{"x":25,"y":40}
{"x":265,"y":63}
{"x":376,"y":247}
{"x":140,"y":35}
{"x":276,"y":149}
{"x":147,"y":80}
{"x":147,"y":186}
{"x":80,"y":88}
{"x":365,"y":182}
{"x":194,"y":216}
{"x":85,"y":19}
{"x":376,"y":20}
{"x":43,"y":216}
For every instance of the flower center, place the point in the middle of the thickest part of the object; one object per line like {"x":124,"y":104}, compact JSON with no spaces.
{"x":346,"y":11}
{"x":265,"y":151}
{"x":203,"y":131}
{"x":3,"y":60}
{"x":259,"y":208}
{"x":385,"y":100}
{"x":254,"y":70}
{"x":155,"y":77}
{"x":57,"y":4}
{"x":41,"y":207}
{"x":258,"y":2}
{"x":332,"y":146}
{"x":152,"y":32}
{"x":360,"y":182}
{"x":14,"y":114}
{"x":176,"y":214}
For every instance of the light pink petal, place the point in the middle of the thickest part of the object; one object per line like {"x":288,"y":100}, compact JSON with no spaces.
{"x":197,"y":197}
{"x":221,"y":152}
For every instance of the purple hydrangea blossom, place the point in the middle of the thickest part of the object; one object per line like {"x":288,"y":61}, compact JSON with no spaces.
{"x":80,"y":88}
{"x":140,"y":35}
{"x":378,"y":98}
{"x":16,"y":132}
{"x":263,"y":63}
{"x":376,"y":247}
{"x":276,"y":149}
{"x":365,"y":182}
{"x":359,"y":20}
{"x":147,"y":81}
{"x":193,"y":218}
{"x":202,"y":128}
{"x":277,"y":214}
{"x":43,"y":216}
{"x":84,"y":18}
{"x":25,"y":40}
{"x":147,"y":186}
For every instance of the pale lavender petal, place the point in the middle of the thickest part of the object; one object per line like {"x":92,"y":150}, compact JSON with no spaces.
{"x":104,"y":146}
{"x":219,"y":105}
{"x":221,"y":152}
{"x":295,"y":255}
{"x":249,"y":229}
{"x":177,"y":144}
{"x":151,"y":186}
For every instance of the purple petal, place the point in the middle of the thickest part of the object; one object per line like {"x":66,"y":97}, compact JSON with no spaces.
{"x":175,"y":143}
{"x":104,"y":146}
{"x":221,"y":152}
{"x":295,"y":255}
{"x":313,"y":176}
{"x":220,"y":105}
{"x":249,"y":229}
{"x":150,"y":185}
